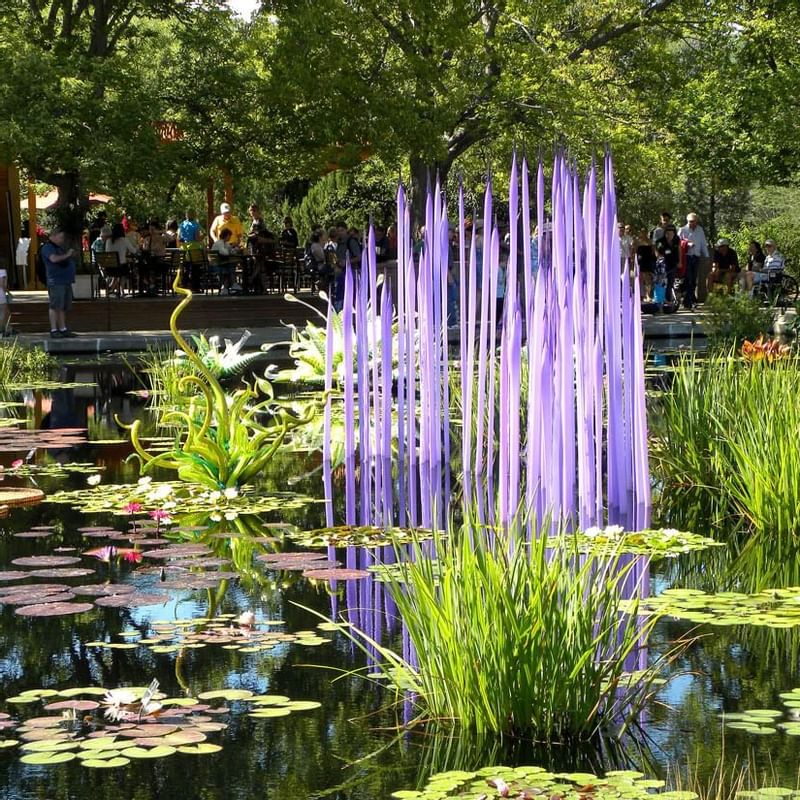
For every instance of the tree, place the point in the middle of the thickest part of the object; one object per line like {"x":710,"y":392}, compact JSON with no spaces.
{"x":428,"y":82}
{"x":78,"y":94}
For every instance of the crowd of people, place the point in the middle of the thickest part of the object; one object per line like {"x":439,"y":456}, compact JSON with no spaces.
{"x":662,"y":257}
{"x":667,"y":253}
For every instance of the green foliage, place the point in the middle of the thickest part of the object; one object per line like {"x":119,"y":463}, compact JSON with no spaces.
{"x":732,"y":318}
{"x":20,"y":364}
{"x":353,"y":196}
{"x":512,"y":637}
{"x":723,"y":432}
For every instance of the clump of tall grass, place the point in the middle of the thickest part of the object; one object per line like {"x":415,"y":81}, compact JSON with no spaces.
{"x":727,"y":431}
{"x":511,"y":636}
{"x":20,"y":364}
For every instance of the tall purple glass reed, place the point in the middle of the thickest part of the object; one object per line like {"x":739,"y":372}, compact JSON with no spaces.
{"x":551,"y":413}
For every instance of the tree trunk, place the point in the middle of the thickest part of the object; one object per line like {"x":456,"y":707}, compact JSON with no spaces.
{"x":72,"y":206}
{"x":423,"y":174}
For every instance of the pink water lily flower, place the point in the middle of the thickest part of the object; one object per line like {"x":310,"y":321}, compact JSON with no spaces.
{"x":104,"y":554}
{"x":17,"y":463}
{"x":133,"y":508}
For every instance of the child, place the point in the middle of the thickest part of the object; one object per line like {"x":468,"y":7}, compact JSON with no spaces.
{"x":660,"y":283}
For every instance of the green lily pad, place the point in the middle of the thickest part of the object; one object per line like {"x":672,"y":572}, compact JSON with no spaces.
{"x":100,"y":743}
{"x":49,"y":746}
{"x":97,"y":691}
{"x":46,"y":759}
{"x":149,"y":752}
{"x":270,"y":700}
{"x":226,"y":694}
{"x":200,"y":749}
{"x":266,"y":713}
{"x":303,"y":705}
{"x":109,"y":763}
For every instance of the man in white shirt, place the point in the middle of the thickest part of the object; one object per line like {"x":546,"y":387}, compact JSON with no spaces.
{"x":696,"y":248}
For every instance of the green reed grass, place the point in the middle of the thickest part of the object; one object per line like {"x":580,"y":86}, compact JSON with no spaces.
{"x":728,"y":431}
{"x":514,"y":637}
{"x":20,"y":364}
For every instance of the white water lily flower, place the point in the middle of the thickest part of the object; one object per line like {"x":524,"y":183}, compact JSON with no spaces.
{"x":145,"y":481}
{"x":214,"y":496}
{"x":229,"y":515}
{"x":93,"y":480}
{"x":231,"y":493}
{"x":163,"y":491}
{"x":613,"y":530}
{"x":216,"y":517}
{"x":592,"y":532}
{"x":169,"y":504}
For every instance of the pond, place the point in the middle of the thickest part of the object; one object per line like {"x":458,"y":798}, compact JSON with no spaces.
{"x":343,"y":736}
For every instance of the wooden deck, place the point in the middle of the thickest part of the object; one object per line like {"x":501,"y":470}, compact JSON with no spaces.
{"x":29,"y":313}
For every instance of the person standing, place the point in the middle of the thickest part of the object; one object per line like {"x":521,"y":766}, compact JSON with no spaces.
{"x":227,"y":220}
{"x":646,"y":262}
{"x":658,"y":232}
{"x":5,"y":314}
{"x":696,"y":246}
{"x":625,"y":246}
{"x":189,"y":236}
{"x":60,"y":266}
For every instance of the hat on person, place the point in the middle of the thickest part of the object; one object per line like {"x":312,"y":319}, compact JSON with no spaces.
{"x":691,"y":217}
{"x":723,"y":243}
{"x":769,"y":242}
{"x":225,"y":208}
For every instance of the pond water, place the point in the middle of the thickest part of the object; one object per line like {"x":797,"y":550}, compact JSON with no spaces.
{"x":350,"y":746}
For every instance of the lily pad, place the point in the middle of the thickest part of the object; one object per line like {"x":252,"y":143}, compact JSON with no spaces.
{"x":267,"y":713}
{"x":106,"y":763}
{"x":47,"y":759}
{"x":226,"y":694}
{"x":53,"y":609}
{"x":161,"y":751}
{"x":200,"y":749}
{"x":46,"y":561}
{"x":131,"y":600}
{"x":336,"y":574}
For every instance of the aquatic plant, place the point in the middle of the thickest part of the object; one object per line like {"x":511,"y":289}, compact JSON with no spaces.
{"x":181,"y":499}
{"x":510,"y":636}
{"x":156,"y":726}
{"x":721,"y":433}
{"x":225,"y":441}
{"x":24,"y":365}
{"x":737,"y":780}
{"x":771,"y":608}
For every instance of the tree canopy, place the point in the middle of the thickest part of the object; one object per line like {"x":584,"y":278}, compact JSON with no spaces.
{"x":141,"y":97}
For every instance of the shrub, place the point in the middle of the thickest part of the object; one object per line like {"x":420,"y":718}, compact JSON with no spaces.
{"x":731,"y":318}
